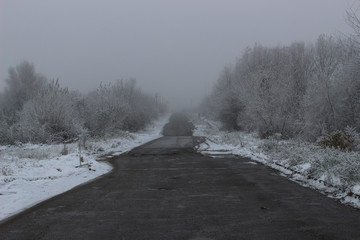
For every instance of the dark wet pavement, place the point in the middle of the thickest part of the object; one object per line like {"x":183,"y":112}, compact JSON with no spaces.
{"x":165,"y":190}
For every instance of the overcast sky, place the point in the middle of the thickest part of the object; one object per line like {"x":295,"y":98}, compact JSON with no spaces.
{"x":175,"y":48}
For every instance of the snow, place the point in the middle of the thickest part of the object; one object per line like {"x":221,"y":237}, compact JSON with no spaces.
{"x":356,"y":189}
{"x":33,"y":173}
{"x":332,"y":172}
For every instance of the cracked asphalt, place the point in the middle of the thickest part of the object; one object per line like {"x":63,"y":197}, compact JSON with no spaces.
{"x":166,"y":190}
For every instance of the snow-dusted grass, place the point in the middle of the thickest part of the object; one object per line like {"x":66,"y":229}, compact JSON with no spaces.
{"x":331,"y":171}
{"x":32,"y":173}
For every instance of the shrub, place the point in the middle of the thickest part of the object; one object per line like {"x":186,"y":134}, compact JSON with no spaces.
{"x":342,"y":140}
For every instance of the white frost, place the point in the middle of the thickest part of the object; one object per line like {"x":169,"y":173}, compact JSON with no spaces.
{"x":33,"y":173}
{"x":330,"y":171}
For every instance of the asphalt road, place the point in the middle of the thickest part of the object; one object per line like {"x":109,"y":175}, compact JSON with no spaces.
{"x":165,"y":190}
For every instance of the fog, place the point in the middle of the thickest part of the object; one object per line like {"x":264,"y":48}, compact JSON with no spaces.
{"x":174,"y":48}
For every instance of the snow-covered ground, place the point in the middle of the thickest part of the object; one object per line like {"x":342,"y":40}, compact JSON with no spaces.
{"x":332,"y":172}
{"x":33,"y":173}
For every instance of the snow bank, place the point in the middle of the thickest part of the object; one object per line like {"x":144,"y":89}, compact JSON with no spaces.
{"x":33,"y":173}
{"x":331,"y":171}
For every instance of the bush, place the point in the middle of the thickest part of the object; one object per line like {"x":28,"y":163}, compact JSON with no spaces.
{"x":339,"y":140}
{"x":117,"y":107}
{"x":50,"y":117}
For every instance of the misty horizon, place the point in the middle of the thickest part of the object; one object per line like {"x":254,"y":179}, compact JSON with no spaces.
{"x":175,"y":49}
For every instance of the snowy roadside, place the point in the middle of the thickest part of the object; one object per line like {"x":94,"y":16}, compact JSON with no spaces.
{"x":33,"y":173}
{"x":330,"y":171}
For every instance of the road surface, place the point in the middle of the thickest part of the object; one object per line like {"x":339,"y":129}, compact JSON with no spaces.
{"x":165,"y":190}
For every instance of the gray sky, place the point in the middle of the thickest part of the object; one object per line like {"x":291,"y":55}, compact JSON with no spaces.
{"x":175,"y":48}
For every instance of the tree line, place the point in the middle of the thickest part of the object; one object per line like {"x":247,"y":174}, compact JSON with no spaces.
{"x":302,"y":90}
{"x":35,"y":109}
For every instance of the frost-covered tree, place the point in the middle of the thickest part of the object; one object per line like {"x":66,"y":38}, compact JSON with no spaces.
{"x":322,"y":114}
{"x":271,"y":86}
{"x":35,"y":110}
{"x":351,"y":102}
{"x":228,"y":106}
{"x":297,"y":90}
{"x":51,"y":116}
{"x":23,"y":84}
{"x":119,"y":106}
